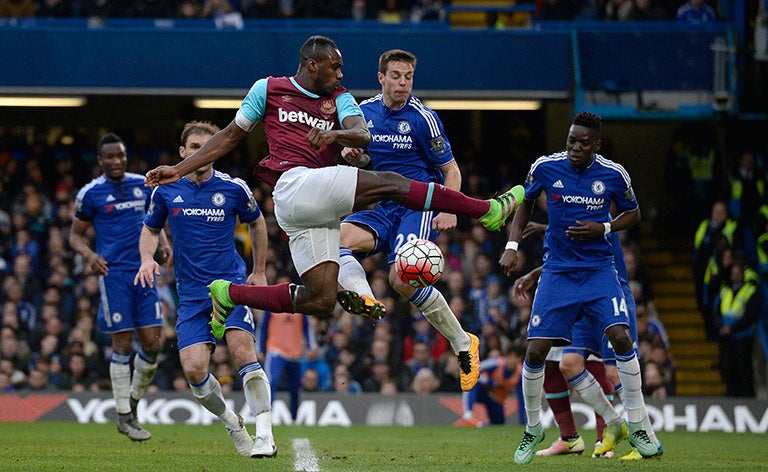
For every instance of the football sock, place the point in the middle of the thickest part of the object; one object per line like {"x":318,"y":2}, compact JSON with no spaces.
{"x":629,"y":374}
{"x":144,"y":367}
{"x":424,"y":196}
{"x":436,"y":310}
{"x":274,"y":298}
{"x":351,"y":273}
{"x":559,"y":400}
{"x":120,"y":375}
{"x":533,"y":383}
{"x":593,"y":395}
{"x":468,"y":400}
{"x":258,"y":396}
{"x":597,"y":369}
{"x":646,"y":420}
{"x":208,"y":393}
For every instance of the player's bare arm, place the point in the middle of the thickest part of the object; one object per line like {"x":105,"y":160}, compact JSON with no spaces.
{"x":522,"y":215}
{"x":220,"y":144}
{"x":257,"y":231}
{"x":77,"y":241}
{"x":148,"y":243}
{"x":533,"y":228}
{"x":355,"y":134}
{"x":592,"y":229}
{"x":452,"y":175}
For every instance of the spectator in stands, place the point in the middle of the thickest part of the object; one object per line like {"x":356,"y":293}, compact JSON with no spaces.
{"x":312,"y":361}
{"x":189,"y":9}
{"x":310,"y":381}
{"x":363,"y":10}
{"x":425,"y":381}
{"x":38,"y":381}
{"x":216,"y":8}
{"x":447,"y":370}
{"x":696,"y":11}
{"x":736,"y":310}
{"x":342,"y":383}
{"x":653,"y":385}
{"x":77,"y":377}
{"x":427,"y":10}
{"x":17,"y":9}
{"x":391,"y":12}
{"x":747,"y":193}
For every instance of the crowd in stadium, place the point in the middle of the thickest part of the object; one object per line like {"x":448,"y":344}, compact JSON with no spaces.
{"x":49,"y":300}
{"x":392,"y":11}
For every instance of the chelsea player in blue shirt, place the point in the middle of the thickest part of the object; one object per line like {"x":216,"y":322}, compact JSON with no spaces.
{"x":114,"y":204}
{"x":406,"y":138}
{"x":579,"y":272}
{"x":202,"y":210}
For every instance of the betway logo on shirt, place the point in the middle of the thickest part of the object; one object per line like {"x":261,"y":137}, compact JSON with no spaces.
{"x":592,"y":203}
{"x":303,"y":117}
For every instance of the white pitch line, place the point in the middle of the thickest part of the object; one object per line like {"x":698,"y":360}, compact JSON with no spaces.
{"x":306,"y":460}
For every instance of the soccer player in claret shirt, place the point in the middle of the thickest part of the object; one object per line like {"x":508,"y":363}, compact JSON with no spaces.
{"x":114,"y":204}
{"x":202,"y":210}
{"x":579,"y":272}
{"x":407,"y":138}
{"x":307,"y":119}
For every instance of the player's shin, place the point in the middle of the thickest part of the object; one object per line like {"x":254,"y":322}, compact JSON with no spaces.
{"x":436,"y":310}
{"x":629,"y":374}
{"x":120,"y":377}
{"x":208,"y":393}
{"x":533,"y":383}
{"x":351,"y":273}
{"x":144,"y":368}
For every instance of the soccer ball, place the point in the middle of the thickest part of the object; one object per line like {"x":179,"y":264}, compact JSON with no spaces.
{"x":419,"y":263}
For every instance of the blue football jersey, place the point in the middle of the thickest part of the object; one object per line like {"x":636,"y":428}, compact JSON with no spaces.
{"x":578,"y":195}
{"x":202,"y":220}
{"x":116,"y":210}
{"x":410,"y":141}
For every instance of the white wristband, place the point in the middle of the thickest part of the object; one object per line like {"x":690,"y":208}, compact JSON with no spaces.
{"x":511,"y":245}
{"x":607,"y":230}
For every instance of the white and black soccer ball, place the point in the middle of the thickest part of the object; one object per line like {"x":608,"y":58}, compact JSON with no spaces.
{"x":419,"y":263}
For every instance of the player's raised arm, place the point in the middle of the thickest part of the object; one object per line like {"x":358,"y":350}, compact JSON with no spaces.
{"x":220,"y":144}
{"x":355,"y":134}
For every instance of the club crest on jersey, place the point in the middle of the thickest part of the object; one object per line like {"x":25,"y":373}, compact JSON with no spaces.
{"x":598,"y":187}
{"x":535,"y":320}
{"x":328,"y":107}
{"x":403,"y":127}
{"x":138,"y":193}
{"x":287,"y":98}
{"x":218,"y":199}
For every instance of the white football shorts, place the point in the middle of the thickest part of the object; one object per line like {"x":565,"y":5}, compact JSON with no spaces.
{"x":309,"y":204}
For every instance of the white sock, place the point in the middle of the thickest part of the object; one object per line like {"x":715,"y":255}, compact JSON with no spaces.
{"x":144,"y":367}
{"x":466,"y":406}
{"x":533,"y":385}
{"x":120,"y":375}
{"x":592,"y":394}
{"x":351,"y":273}
{"x":646,"y":420}
{"x":208,"y":393}
{"x":256,"y":389}
{"x":629,"y":374}
{"x":436,"y":310}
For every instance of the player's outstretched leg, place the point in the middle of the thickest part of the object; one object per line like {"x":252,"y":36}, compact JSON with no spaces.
{"x":532,"y":437}
{"x":362,"y":305}
{"x":561,"y":446}
{"x":502,"y":207}
{"x":469,"y":364}
{"x":222,"y":306}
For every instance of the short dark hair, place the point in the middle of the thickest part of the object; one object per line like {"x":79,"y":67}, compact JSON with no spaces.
{"x":395,"y":55}
{"x":588,"y":120}
{"x":314,"y":47}
{"x":198,"y":127}
{"x":109,"y":138}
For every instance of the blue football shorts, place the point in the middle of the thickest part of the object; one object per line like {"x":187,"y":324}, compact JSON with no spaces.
{"x":562,"y":297}
{"x":125,"y":306}
{"x":393,"y":225}
{"x":193,"y":325}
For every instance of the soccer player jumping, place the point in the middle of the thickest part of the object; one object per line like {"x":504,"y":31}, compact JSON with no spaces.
{"x":307,"y":119}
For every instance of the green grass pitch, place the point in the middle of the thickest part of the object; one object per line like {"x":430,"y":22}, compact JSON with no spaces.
{"x":60,"y":446}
